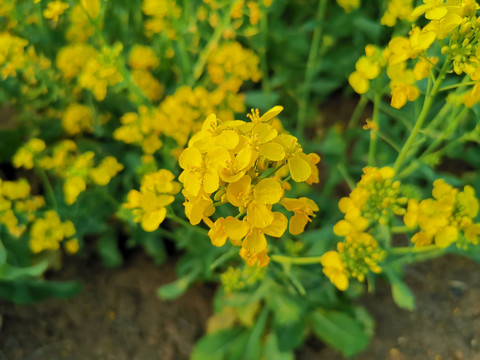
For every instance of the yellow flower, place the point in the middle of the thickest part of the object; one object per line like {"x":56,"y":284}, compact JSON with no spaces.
{"x":71,"y":59}
{"x":143,"y":58}
{"x":334,"y":269}
{"x":349,"y":5}
{"x":91,"y":7}
{"x":72,"y":187}
{"x":149,"y":204}
{"x":47,"y":232}
{"x":54,"y":10}
{"x":103,"y":173}
{"x":302,"y":208}
{"x":77,"y":119}
{"x":442,"y":219}
{"x":231,"y":65}
{"x":24,"y":157}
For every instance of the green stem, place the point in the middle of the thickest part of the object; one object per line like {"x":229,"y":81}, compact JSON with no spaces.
{"x":411,"y":250}
{"x":399,"y":230}
{"x":373,"y":139}
{"x":429,"y":98}
{"x":263,"y":55}
{"x":362,"y":103}
{"x":172,"y":216}
{"x":445,"y":88}
{"x":346,"y":176}
{"x":296,"y":260}
{"x":214,"y":39}
{"x":48,"y":186}
{"x":271,"y":171}
{"x":310,"y":70}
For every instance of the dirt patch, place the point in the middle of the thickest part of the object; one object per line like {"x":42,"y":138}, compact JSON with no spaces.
{"x":117,"y":316}
{"x":444,"y":326}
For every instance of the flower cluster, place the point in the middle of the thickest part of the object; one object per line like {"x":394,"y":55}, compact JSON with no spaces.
{"x":149,"y":204}
{"x":455,"y":19}
{"x":231,"y":65}
{"x":177,"y":116}
{"x":242,"y":164}
{"x":17,"y":206}
{"x":444,"y":218}
{"x":375,"y":199}
{"x":77,"y":169}
{"x":49,"y":231}
{"x":12,"y":54}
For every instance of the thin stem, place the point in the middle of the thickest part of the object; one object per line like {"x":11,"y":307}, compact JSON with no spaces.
{"x":48,"y":186}
{"x":373,"y":139}
{"x":346,"y":176}
{"x":411,"y":250}
{"x":172,"y":216}
{"x":445,"y":88}
{"x":282,"y":259}
{"x":429,"y":98}
{"x":388,"y":141}
{"x":362,"y":103}
{"x":310,"y":70}
{"x":214,"y":39}
{"x":399,"y":230}
{"x":263,"y":54}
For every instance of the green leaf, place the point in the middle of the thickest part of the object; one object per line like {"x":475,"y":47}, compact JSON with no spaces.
{"x":27,"y":291}
{"x":260,"y":100}
{"x":402,"y":296}
{"x":291,"y":335}
{"x":272,"y":350}
{"x":177,"y":288}
{"x":108,"y":250}
{"x":9,"y":272}
{"x":339,"y":330}
{"x":3,"y":254}
{"x":215,"y":346}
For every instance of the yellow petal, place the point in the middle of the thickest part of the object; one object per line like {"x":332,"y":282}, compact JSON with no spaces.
{"x":270,"y":114}
{"x":297,"y":224}
{"x":259,"y":215}
{"x":268,"y":191}
{"x":255,"y":241}
{"x":278,"y":226}
{"x":211,"y":181}
{"x":236,"y":229}
{"x":190,"y":157}
{"x":238,"y":190}
{"x":299,"y":168}
{"x":228,"y":139}
{"x":273,"y":151}
{"x":151,"y":220}
{"x":446,"y":236}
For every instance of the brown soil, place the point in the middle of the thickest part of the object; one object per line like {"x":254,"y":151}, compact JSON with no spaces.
{"x":118,"y":316}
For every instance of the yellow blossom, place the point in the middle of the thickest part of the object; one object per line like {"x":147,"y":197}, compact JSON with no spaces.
{"x":55,"y":9}
{"x":334,"y":269}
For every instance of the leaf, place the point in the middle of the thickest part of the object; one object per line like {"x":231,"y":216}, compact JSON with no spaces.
{"x":214,"y":346}
{"x":108,"y":250}
{"x":178,"y":287}
{"x":339,"y":330}
{"x":10,"y":272}
{"x":3,"y":254}
{"x":402,"y":296}
{"x":292,"y":335}
{"x":272,"y":350}
{"x":32,"y":290}
{"x":261,"y":100}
